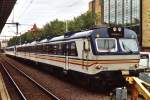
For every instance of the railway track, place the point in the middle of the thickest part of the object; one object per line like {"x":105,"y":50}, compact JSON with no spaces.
{"x":27,"y":87}
{"x":65,"y":90}
{"x":18,"y":65}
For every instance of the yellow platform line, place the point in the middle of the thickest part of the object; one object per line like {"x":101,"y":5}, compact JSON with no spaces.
{"x":3,"y":91}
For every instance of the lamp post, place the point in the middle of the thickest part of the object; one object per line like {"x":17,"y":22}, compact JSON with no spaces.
{"x":25,"y":47}
{"x":17,"y":25}
{"x":66,"y":26}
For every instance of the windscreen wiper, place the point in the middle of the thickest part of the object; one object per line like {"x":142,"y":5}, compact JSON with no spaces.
{"x":124,"y":46}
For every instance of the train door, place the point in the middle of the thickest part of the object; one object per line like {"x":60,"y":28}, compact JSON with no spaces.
{"x":71,"y":51}
{"x":15,"y":50}
{"x":66,"y":56}
{"x":85,"y":52}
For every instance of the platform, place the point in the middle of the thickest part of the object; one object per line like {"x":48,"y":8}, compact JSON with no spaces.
{"x":3,"y":91}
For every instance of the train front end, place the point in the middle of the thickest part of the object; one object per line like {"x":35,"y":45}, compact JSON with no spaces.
{"x":115,"y":52}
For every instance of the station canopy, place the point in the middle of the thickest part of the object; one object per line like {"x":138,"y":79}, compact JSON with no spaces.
{"x":6,"y":7}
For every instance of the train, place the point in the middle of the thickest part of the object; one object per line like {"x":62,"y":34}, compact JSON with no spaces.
{"x":105,"y":53}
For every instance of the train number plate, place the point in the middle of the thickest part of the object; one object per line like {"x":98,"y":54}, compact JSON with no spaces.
{"x":125,"y":72}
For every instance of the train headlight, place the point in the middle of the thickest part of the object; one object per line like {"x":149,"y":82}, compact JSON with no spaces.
{"x":119,"y":29}
{"x":114,"y":29}
{"x":97,"y":35}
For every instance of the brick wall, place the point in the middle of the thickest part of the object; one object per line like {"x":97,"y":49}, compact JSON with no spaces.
{"x":146,"y":23}
{"x":95,"y":7}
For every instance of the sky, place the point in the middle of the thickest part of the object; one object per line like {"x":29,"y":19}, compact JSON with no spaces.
{"x":40,"y":12}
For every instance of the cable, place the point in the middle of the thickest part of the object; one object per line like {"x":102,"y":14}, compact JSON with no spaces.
{"x":25,"y":10}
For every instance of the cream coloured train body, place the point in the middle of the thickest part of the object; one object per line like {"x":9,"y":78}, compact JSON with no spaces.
{"x":91,"y":52}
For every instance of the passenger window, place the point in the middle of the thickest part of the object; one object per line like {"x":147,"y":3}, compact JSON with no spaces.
{"x":106,"y":45}
{"x":60,"y":49}
{"x":144,"y":56}
{"x":72,"y":50}
{"x":55,"y":46}
{"x":47,"y":48}
{"x":50,"y":49}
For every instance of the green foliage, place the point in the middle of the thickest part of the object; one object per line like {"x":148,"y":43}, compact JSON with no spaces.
{"x":85,"y":21}
{"x":13,"y":41}
{"x":46,"y":30}
{"x":57,"y":27}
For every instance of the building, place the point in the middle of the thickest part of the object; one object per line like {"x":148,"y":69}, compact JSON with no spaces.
{"x":33,"y":29}
{"x":3,"y":44}
{"x":146,"y":24}
{"x":124,"y":12}
{"x":96,"y":7}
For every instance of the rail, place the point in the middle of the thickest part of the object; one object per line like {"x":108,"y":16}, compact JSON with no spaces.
{"x":31,"y":79}
{"x":14,"y":83}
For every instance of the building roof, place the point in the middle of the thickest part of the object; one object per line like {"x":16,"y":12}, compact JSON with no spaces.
{"x":6,"y":7}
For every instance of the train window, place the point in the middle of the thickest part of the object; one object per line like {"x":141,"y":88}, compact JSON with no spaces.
{"x":44,"y":49}
{"x":54,"y":49}
{"x":32,"y":49}
{"x":72,"y":50}
{"x":106,"y":45}
{"x":144,"y":56}
{"x":29,"y":49}
{"x":128,"y":45}
{"x":49,"y":49}
{"x":38,"y":48}
{"x":60,"y":49}
{"x":41,"y":48}
{"x":26,"y":49}
{"x":64,"y":48}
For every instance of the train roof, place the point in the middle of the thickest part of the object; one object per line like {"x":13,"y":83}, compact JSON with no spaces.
{"x":74,"y":35}
{"x":44,"y":40}
{"x":103,"y":32}
{"x":10,"y":47}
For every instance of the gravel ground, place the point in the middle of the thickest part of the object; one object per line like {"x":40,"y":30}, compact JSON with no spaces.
{"x":10,"y":88}
{"x":62,"y":88}
{"x":29,"y":89}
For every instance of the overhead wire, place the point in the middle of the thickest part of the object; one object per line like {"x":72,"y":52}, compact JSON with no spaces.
{"x":23,"y":8}
{"x":26,"y":8}
{"x":20,"y":8}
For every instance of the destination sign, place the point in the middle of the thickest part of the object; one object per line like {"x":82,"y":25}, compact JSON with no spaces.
{"x":116,"y":32}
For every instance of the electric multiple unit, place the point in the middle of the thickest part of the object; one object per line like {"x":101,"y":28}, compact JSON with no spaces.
{"x":112,"y":50}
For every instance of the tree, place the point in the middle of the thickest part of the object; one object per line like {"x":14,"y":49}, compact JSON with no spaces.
{"x":46,"y":30}
{"x":88,"y":20}
{"x":57,"y":27}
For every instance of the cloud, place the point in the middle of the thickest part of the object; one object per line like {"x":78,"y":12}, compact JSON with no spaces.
{"x":43,"y":11}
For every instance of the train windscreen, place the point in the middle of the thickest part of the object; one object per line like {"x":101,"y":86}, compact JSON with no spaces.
{"x":129,"y":45}
{"x":106,"y":45}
